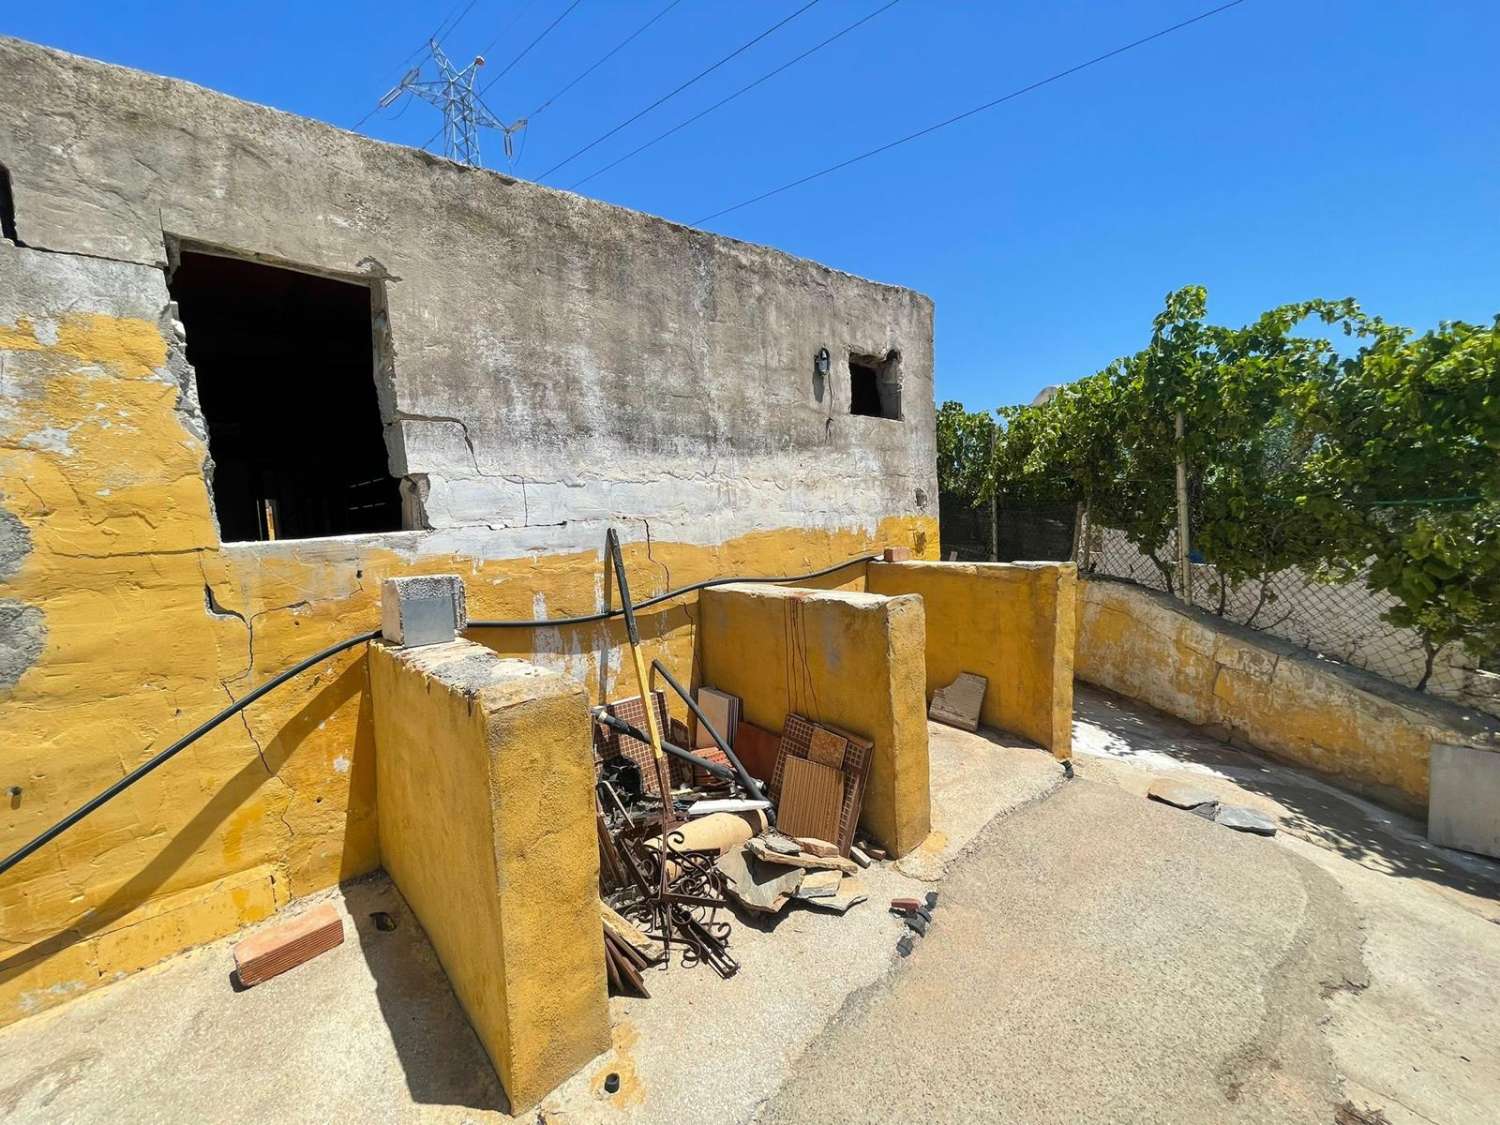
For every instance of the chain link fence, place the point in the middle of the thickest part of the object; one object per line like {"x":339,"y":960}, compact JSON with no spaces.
{"x":1342,"y":620}
{"x":1031,"y":533}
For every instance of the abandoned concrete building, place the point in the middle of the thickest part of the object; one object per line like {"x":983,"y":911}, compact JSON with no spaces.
{"x":474,"y":555}
{"x":254,"y":365}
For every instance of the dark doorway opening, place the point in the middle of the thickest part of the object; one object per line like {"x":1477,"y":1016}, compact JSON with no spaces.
{"x":7,"y":208}
{"x":286,"y":380}
{"x":875,"y":385}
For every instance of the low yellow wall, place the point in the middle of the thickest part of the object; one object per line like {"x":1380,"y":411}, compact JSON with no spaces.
{"x":485,"y":781}
{"x":853,"y":660}
{"x":1363,"y":732}
{"x":1012,"y":623}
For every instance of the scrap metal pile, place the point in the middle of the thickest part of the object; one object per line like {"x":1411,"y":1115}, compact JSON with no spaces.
{"x":685,"y":828}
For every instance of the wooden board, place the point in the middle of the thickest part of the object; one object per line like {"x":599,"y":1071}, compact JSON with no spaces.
{"x":722,"y":710}
{"x":755,"y":747}
{"x":796,"y":738}
{"x":812,"y":796}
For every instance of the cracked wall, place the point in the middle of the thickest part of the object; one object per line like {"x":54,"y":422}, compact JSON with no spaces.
{"x":547,"y":367}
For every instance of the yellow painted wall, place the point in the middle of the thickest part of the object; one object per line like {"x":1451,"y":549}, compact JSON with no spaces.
{"x":97,"y":464}
{"x":1009,"y":622}
{"x":485,"y":785}
{"x":1366,"y":734}
{"x":850,"y":659}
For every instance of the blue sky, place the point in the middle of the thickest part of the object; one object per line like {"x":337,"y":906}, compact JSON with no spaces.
{"x":1277,"y":151}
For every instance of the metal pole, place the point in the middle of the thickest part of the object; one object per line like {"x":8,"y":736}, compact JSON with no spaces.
{"x":663,"y":780}
{"x":1183,"y":566}
{"x":994,"y":509}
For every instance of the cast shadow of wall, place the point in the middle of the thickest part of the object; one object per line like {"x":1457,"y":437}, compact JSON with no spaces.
{"x":241,"y":787}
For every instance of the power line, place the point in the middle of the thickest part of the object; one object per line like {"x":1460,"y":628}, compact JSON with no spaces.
{"x":439,"y":33}
{"x":515,"y":19}
{"x":725,"y":101}
{"x":527,"y":49}
{"x":520,"y":124}
{"x":445,"y":28}
{"x":620,"y":46}
{"x":667,"y":97}
{"x":971,"y":112}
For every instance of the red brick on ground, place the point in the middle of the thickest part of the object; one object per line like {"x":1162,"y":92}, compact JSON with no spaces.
{"x":285,"y":946}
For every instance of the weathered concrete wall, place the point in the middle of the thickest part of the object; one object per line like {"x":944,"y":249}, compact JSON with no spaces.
{"x":1363,"y":732}
{"x":552,"y":366}
{"x":850,"y":659}
{"x":1009,"y":622}
{"x":557,"y":361}
{"x":485,"y":779}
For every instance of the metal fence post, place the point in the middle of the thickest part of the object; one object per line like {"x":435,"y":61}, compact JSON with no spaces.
{"x":1183,"y":566}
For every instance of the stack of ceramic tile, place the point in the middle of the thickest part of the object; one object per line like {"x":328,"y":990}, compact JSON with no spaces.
{"x":723,"y":711}
{"x":819,"y":781}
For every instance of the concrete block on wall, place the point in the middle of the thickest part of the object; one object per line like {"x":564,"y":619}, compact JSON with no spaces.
{"x":425,"y":609}
{"x":1463,"y":804}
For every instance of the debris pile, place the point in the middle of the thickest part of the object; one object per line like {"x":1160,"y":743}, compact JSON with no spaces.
{"x":669,"y":867}
{"x":689,"y":833}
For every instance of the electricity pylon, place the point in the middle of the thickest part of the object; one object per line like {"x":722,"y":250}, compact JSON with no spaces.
{"x":464,"y":111}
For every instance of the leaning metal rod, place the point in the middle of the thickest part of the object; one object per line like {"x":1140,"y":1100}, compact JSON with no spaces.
{"x":171,"y":751}
{"x":614,"y":722}
{"x":663,"y":778}
{"x":752,"y":787}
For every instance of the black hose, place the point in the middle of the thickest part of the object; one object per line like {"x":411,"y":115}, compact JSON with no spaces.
{"x":318,"y":657}
{"x":171,"y":751}
{"x":752,"y":787}
{"x":615,"y":723}
{"x":605,"y":615}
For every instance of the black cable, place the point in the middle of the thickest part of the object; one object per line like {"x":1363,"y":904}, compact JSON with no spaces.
{"x":171,"y":751}
{"x":442,"y":29}
{"x":725,"y":101}
{"x":971,"y":112}
{"x":297,"y":669}
{"x":527,"y":49}
{"x":605,"y":615}
{"x":481,"y":91}
{"x":667,"y":97}
{"x":616,"y":49}
{"x":515,"y":19}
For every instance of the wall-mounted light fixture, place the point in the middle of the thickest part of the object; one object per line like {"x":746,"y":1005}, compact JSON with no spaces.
{"x":821,"y":366}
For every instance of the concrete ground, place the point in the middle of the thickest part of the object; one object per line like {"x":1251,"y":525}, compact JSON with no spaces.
{"x":1095,"y":957}
{"x":371,"y":1029}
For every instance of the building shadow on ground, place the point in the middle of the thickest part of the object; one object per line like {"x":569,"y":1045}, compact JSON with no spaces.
{"x":1315,"y":810}
{"x":440,"y":1053}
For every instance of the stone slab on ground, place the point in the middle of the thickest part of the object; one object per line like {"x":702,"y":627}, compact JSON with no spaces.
{"x":959,"y":703}
{"x":1242,"y":819}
